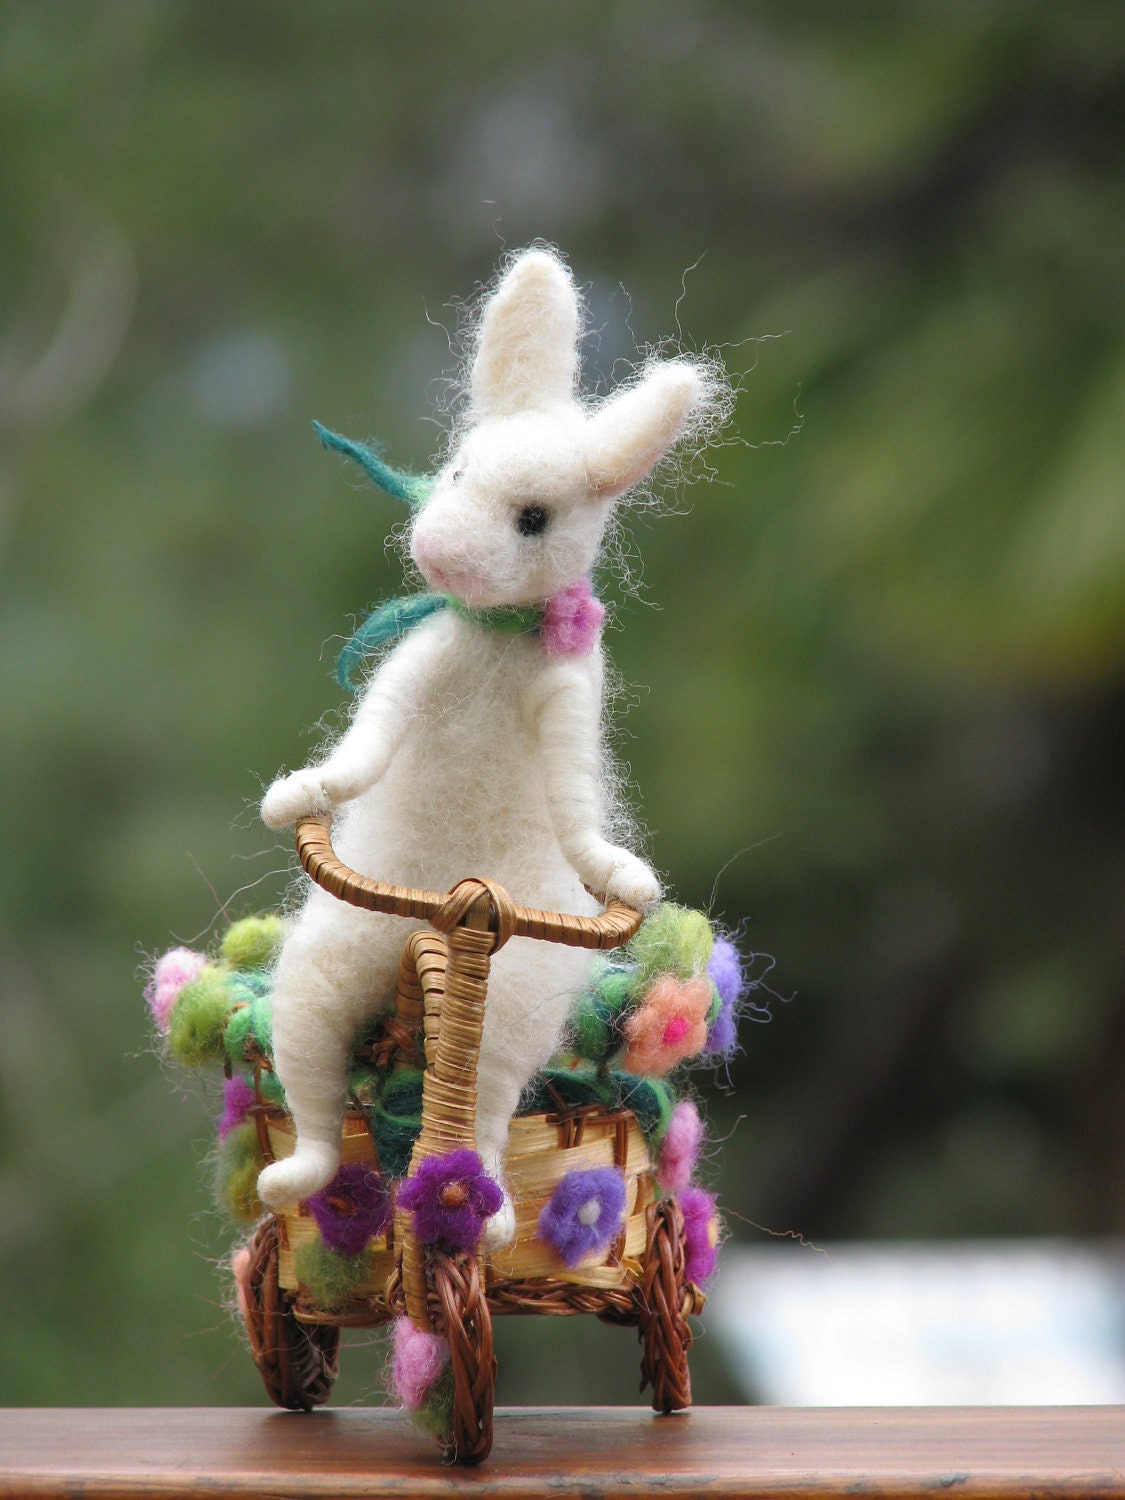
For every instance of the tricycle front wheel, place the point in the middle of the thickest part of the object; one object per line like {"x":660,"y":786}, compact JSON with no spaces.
{"x":665,"y":1298}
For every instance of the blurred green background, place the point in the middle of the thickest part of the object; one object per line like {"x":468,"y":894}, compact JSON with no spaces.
{"x":877,"y":715}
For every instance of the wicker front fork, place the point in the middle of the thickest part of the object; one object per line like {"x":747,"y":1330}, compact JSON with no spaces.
{"x":446,"y":1293}
{"x":449,"y":1085}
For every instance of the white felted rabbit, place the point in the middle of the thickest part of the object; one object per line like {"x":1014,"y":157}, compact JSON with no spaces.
{"x":477,"y":750}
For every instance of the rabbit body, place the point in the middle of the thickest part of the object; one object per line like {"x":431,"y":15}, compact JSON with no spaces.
{"x":475,"y":751}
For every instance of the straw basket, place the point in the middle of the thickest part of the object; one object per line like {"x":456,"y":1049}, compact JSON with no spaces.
{"x":639,"y":1282}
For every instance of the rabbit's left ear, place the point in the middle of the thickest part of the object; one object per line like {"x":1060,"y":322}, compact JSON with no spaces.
{"x":632,"y":432}
{"x":527,"y":349}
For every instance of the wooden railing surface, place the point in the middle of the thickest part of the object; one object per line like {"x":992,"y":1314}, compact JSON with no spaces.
{"x":610,"y":1452}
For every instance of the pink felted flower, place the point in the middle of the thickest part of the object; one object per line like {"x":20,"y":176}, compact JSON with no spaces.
{"x":701,"y":1234}
{"x":419,"y":1360}
{"x":238,"y":1100}
{"x":572,"y":621}
{"x":174,"y":970}
{"x":670,"y":1025}
{"x":680,"y":1147}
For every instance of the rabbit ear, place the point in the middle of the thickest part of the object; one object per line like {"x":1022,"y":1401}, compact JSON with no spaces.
{"x":635,"y":428}
{"x":527,"y":349}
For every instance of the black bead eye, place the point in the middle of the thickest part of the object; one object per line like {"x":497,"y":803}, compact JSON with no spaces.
{"x":532,"y":520}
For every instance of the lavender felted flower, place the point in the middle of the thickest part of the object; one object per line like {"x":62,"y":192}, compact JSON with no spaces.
{"x":352,"y":1208}
{"x":584,"y":1213}
{"x":238,"y":1100}
{"x":701,"y":1234}
{"x":725,"y":972}
{"x":450,"y":1197}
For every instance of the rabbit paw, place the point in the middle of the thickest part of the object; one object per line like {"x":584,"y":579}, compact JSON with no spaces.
{"x":297,"y":1177}
{"x":624,"y":877}
{"x":295,"y":796}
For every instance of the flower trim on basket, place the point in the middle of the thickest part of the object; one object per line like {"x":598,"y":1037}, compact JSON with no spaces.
{"x":670,"y":996}
{"x":450,"y":1197}
{"x":645,"y":1011}
{"x":585,"y":1214}
{"x":354,"y":1207}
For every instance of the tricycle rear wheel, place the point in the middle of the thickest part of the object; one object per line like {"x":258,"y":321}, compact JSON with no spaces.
{"x":298,"y":1362}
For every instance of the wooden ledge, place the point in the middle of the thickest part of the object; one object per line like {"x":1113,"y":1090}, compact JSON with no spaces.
{"x":605,"y":1452}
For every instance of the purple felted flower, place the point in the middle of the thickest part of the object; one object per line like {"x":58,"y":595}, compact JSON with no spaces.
{"x":701,"y":1234}
{"x":450,"y":1197}
{"x":572,"y":621}
{"x":584,"y":1214}
{"x":238,"y":1100}
{"x":353,"y":1207}
{"x":725,"y":972}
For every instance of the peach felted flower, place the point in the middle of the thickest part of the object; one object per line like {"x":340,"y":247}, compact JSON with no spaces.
{"x":669,"y":1026}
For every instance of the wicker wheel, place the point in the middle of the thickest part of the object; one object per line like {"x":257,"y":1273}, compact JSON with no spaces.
{"x":461,"y":1313}
{"x":664,"y":1301}
{"x":298,"y":1362}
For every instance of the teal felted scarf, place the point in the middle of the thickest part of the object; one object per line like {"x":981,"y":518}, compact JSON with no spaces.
{"x":395,"y":618}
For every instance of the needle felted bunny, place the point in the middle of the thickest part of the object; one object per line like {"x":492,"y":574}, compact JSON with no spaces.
{"x":476,"y":746}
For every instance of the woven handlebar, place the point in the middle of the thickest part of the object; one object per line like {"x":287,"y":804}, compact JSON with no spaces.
{"x":615,"y":926}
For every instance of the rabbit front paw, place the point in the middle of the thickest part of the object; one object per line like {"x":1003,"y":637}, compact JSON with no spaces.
{"x":295,"y":796}
{"x":622,"y":877}
{"x":634,"y":883}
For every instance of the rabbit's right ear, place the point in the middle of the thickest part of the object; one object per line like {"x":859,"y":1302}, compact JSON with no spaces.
{"x":527,"y":348}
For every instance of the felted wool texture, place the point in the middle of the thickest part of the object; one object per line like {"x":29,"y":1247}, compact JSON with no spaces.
{"x":701,"y":1234}
{"x":199,"y":1019}
{"x":239,"y":1162}
{"x":435,"y":1415}
{"x":450,"y":1197}
{"x":652,"y":1101}
{"x":584,"y":1213}
{"x":397,"y":1120}
{"x":725,"y":969}
{"x":238,"y":1100}
{"x":252,"y":943}
{"x":250,"y":1029}
{"x":419,"y":1359}
{"x":352,"y":1208}
{"x":174,"y":970}
{"x":670,"y":1026}
{"x":594,"y":1027}
{"x":680,"y":1148}
{"x":411,"y":488}
{"x":672,"y":940}
{"x":332,"y":1279}
{"x":473,"y":751}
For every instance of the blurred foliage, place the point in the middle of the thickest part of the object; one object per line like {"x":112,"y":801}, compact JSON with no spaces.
{"x":884,"y":692}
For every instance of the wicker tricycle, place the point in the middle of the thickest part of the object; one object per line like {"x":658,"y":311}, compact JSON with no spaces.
{"x":640,"y":1281}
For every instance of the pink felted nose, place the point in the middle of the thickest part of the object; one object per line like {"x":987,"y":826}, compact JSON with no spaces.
{"x":427,"y":552}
